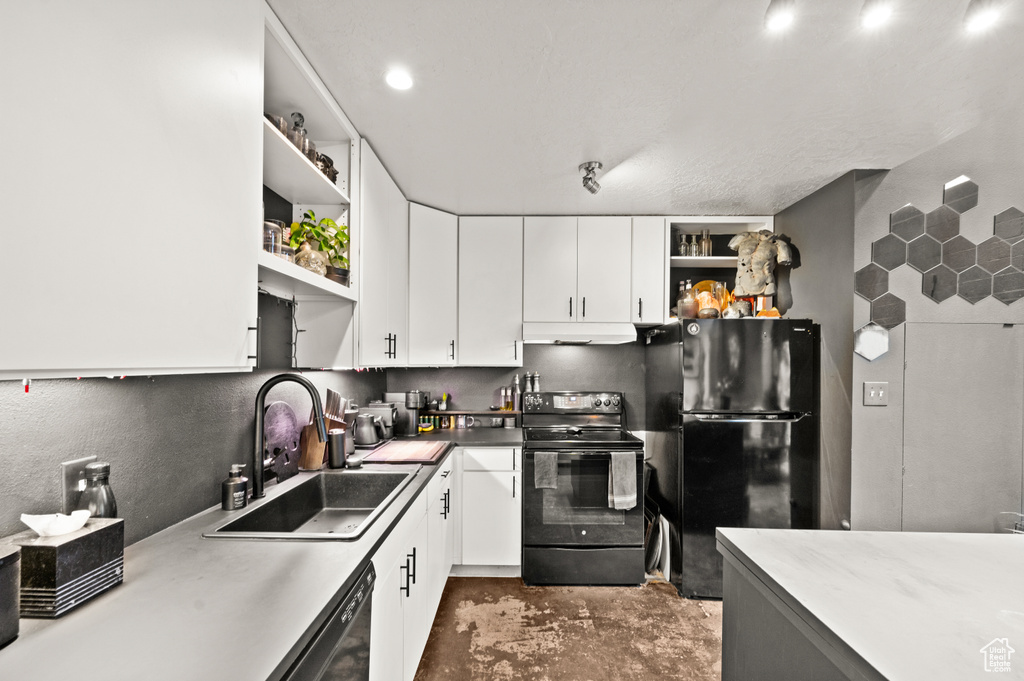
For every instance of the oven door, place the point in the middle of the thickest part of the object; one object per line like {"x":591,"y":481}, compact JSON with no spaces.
{"x":576,"y":512}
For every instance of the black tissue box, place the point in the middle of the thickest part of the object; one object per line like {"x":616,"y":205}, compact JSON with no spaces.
{"x":58,"y":574}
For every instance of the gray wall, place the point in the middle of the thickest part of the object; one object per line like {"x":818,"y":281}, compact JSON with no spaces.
{"x":169,"y":439}
{"x":562,"y":367}
{"x":820,"y":228}
{"x":991,"y":154}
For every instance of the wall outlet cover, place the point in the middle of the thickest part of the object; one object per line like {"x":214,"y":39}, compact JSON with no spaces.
{"x":72,"y":482}
{"x":876,"y":393}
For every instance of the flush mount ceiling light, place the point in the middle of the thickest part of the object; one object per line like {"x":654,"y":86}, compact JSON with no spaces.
{"x":981,"y":15}
{"x":780,"y":15}
{"x":589,"y":169}
{"x":875,"y":13}
{"x":398,"y":79}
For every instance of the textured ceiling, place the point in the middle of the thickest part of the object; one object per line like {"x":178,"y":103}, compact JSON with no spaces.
{"x":692,"y":107}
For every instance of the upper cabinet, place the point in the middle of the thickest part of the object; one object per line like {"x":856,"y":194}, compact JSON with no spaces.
{"x":649,"y":271}
{"x":490,"y":298}
{"x":147,"y":119}
{"x":576,"y":269}
{"x":384,"y":257}
{"x":433,"y":286}
{"x":324,"y":310}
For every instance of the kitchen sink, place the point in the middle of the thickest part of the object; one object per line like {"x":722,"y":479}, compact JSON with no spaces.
{"x":331,"y":505}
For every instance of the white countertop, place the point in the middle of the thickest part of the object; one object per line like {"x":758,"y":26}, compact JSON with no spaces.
{"x":910,"y":605}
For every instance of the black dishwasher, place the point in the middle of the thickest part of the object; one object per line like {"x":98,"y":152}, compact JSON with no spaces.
{"x":340,"y":651}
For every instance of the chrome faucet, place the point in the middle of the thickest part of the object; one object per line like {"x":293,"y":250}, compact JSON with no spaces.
{"x":318,"y":416}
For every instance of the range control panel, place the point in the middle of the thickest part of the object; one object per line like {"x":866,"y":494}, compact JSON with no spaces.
{"x":572,"y":403}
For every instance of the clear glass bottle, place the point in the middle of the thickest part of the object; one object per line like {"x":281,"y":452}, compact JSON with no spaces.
{"x":686,"y":305}
{"x":97,"y":497}
{"x":705,"y":242}
{"x":694,"y":246}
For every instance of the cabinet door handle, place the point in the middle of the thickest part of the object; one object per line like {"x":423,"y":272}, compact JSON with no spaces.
{"x":406,"y":587}
{"x":394,"y":346}
{"x":515,"y":350}
{"x":640,"y":308}
{"x":584,"y":307}
{"x":453,"y":350}
{"x":570,"y":307}
{"x":412,"y":571}
{"x":513,"y":486}
{"x":387,"y":339}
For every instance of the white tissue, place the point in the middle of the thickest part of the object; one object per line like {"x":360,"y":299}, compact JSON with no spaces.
{"x":55,"y":524}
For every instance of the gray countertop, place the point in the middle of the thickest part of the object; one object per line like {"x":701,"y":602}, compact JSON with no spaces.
{"x":478,"y":436}
{"x":197,"y":609}
{"x":908,"y":605}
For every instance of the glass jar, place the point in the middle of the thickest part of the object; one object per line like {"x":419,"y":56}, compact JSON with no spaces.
{"x":309,"y":259}
{"x":686,"y":305}
{"x":273,"y":236}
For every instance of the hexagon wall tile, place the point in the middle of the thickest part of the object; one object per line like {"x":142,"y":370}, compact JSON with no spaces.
{"x":962,"y":196}
{"x":907,"y":223}
{"x":939,"y":283}
{"x":974,"y":284}
{"x":1017,"y":255}
{"x":1008,"y":285}
{"x":958,"y":254}
{"x":943,"y":223}
{"x":889,"y":252}
{"x":994,"y":254}
{"x":1009,"y":225}
{"x":871,"y":281}
{"x":871,"y":341}
{"x":924,"y":253}
{"x":888,"y":311}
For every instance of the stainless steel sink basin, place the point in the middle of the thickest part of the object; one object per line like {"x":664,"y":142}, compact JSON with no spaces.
{"x":331,"y":505}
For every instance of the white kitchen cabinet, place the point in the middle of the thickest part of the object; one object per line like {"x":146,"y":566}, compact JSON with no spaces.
{"x":441,"y":520}
{"x":324,"y":310}
{"x":384,"y":270}
{"x":139,"y":150}
{"x":649,"y":269}
{"x":490,"y":299}
{"x":433,"y":286}
{"x":576,"y":269}
{"x":491,"y":506}
{"x":549,"y":269}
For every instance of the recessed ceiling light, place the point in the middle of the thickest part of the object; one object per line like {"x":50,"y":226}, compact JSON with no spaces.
{"x":875,"y":13}
{"x":780,"y":15}
{"x":981,"y":15}
{"x":398,"y":79}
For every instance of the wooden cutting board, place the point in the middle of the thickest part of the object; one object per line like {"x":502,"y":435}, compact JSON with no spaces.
{"x":408,"y":451}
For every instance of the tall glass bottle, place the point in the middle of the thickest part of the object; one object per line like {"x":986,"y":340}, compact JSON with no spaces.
{"x":705,"y":242}
{"x":97,"y":497}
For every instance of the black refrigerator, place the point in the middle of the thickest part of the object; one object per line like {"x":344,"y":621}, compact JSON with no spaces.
{"x":732,"y":434}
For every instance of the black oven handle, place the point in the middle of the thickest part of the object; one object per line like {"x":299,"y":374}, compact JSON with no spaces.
{"x":579,"y":456}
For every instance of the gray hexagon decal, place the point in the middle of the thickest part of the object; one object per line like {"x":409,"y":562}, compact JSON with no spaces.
{"x":907,"y":223}
{"x":994,"y":254}
{"x":1008,"y":285}
{"x":961,"y":194}
{"x":958,"y":254}
{"x":943,"y":223}
{"x":939,"y":283}
{"x":1009,"y":225}
{"x":888,"y":311}
{"x":924,"y":253}
{"x":871,"y":341}
{"x":871,"y":281}
{"x":890,"y":252}
{"x":974,"y":284}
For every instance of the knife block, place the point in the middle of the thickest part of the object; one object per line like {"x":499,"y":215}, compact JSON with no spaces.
{"x":314,"y":452}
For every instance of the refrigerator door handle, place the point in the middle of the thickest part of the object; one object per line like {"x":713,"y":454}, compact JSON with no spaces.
{"x":750,"y":418}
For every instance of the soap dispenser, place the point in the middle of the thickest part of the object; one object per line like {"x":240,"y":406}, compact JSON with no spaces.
{"x":234,"y":489}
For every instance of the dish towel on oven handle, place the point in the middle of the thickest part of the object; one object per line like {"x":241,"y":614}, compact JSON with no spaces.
{"x":545,"y":470}
{"x":622,"y":481}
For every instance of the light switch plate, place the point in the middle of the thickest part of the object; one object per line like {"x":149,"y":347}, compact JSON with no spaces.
{"x":72,"y":482}
{"x":876,"y":393}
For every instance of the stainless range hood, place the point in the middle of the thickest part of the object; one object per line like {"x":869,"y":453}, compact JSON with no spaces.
{"x":579,"y":333}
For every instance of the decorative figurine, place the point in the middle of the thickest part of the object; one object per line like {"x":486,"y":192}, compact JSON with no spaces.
{"x":758,"y":252}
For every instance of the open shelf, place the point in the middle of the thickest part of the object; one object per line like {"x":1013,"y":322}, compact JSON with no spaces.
{"x":292,"y":175}
{"x":715,"y":261}
{"x":286,"y":279}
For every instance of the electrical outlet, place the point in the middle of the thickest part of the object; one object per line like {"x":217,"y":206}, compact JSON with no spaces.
{"x":876,"y":393}
{"x":72,"y":482}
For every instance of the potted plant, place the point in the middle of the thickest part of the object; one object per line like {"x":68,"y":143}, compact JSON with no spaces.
{"x":327,"y":237}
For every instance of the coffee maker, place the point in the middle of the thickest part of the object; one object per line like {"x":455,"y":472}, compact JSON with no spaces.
{"x":414,"y":402}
